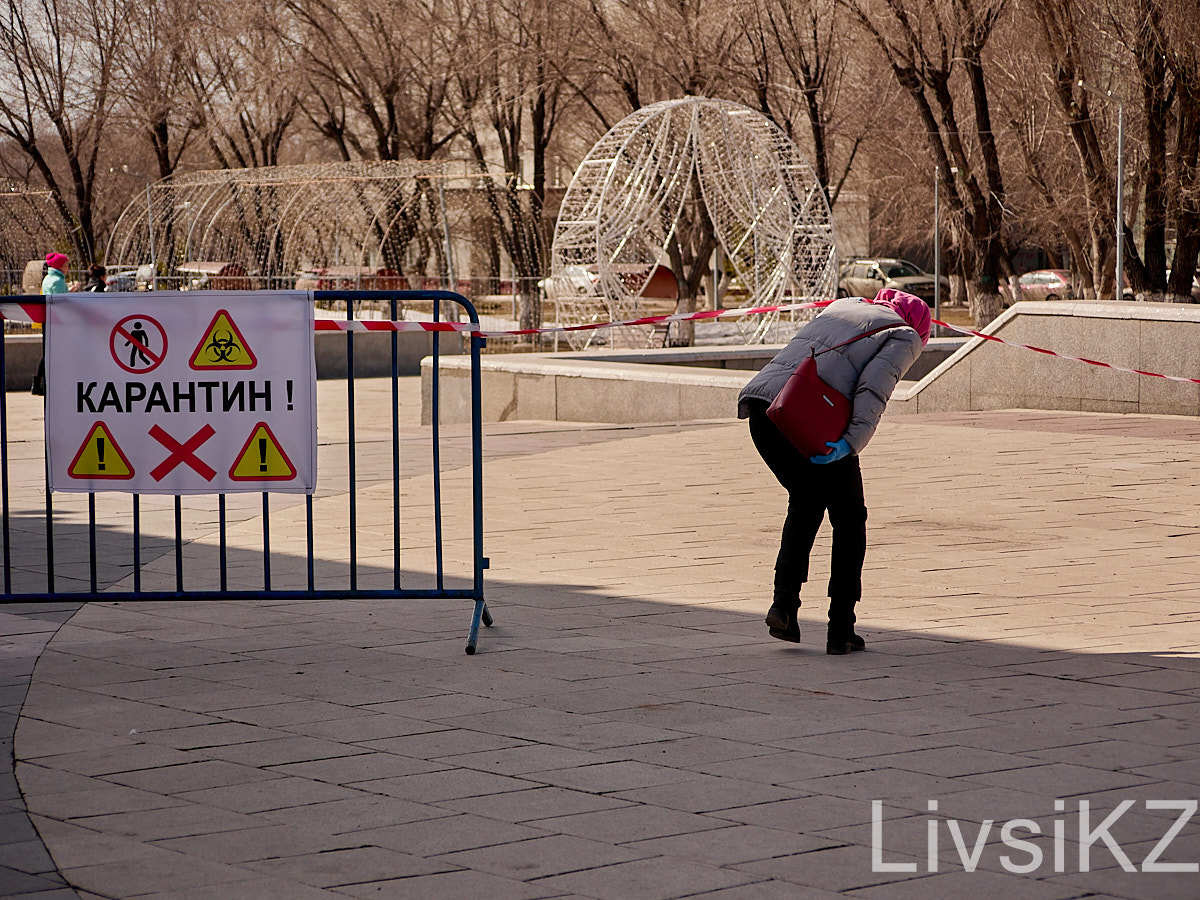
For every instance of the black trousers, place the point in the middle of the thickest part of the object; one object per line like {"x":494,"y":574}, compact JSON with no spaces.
{"x":813,"y":490}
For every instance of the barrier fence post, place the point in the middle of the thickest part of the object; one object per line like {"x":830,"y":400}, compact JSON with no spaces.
{"x":4,"y":505}
{"x":481,"y":562}
{"x":435,"y":406}
{"x":395,"y":361}
{"x":353,"y":472}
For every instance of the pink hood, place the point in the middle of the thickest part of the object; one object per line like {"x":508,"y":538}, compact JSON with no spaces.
{"x":912,"y":310}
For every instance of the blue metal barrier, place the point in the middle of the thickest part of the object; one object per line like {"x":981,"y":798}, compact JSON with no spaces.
{"x":227,"y":591}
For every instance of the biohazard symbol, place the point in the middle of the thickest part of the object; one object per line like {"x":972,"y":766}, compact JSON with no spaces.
{"x":262,"y":458}
{"x":99,"y":456}
{"x":222,"y":346}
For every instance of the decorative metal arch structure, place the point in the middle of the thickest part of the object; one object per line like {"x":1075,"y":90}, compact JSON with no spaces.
{"x":337,"y":221}
{"x":632,"y":194}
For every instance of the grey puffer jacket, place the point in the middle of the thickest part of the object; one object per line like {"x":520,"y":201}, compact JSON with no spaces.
{"x":865,"y":371}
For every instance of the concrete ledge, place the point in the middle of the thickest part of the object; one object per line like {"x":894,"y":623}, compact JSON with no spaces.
{"x":542,"y":386}
{"x":750,"y":358}
{"x":1155,"y":337}
{"x":22,"y":352}
{"x":678,"y":384}
{"x":373,"y":352}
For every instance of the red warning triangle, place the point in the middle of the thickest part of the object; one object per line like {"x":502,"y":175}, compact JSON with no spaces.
{"x":262,"y":458}
{"x":99,"y":456}
{"x":222,"y":346}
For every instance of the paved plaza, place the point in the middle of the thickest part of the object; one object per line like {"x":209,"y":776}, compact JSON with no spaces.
{"x":628,"y":731}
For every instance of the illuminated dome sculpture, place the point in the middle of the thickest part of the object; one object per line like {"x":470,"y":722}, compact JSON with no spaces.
{"x":641,"y":183}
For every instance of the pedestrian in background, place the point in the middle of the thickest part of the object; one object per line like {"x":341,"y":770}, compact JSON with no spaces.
{"x":866,"y":371}
{"x":96,"y":279}
{"x":53,"y":282}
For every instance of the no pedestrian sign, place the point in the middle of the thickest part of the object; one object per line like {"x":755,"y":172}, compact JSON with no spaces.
{"x":181,"y":393}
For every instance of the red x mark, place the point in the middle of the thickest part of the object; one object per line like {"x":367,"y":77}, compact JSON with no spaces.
{"x":182,"y":453}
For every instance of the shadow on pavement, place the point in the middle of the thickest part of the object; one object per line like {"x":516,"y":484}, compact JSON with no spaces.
{"x":598,"y":746}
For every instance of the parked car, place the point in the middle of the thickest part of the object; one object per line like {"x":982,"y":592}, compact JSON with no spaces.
{"x":572,"y":281}
{"x":865,"y":277}
{"x":143,"y":277}
{"x":204,"y":275}
{"x":354,"y":278}
{"x":1043,"y":284}
{"x":121,"y":280}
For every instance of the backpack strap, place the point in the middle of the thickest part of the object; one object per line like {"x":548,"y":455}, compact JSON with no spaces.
{"x":863,"y":335}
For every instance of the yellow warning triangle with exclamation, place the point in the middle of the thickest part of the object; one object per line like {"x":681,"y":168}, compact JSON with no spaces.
{"x":222,"y":346}
{"x":262,"y":458}
{"x":99,"y":456}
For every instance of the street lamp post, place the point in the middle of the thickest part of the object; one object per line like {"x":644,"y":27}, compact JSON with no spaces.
{"x":153,"y":254}
{"x":937,"y":250}
{"x":1120,"y":286}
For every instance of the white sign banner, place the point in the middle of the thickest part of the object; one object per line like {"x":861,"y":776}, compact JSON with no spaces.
{"x":200,"y":392}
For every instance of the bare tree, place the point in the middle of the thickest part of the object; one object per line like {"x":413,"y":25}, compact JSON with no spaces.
{"x":799,"y":55}
{"x":513,"y":85}
{"x":1066,"y":45}
{"x":244,"y":86}
{"x":651,"y":50}
{"x":510,"y":100}
{"x":1182,"y":50}
{"x":1047,"y":199}
{"x":1161,"y":37}
{"x":927,"y":44}
{"x":56,"y":99}
{"x":643,"y":51}
{"x":154,"y":58}
{"x":378,"y":74}
{"x":1161,"y":69}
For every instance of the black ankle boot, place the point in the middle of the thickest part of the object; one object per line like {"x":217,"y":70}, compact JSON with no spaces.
{"x":840,"y":641}
{"x":781,"y":620}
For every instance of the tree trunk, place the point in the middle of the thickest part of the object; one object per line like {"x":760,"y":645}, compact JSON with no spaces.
{"x":529,"y":304}
{"x":685,"y":336}
{"x":958,"y":289}
{"x":1187,"y":160}
{"x":985,"y":303}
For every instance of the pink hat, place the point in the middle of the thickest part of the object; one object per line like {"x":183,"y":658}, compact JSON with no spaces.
{"x":912,"y":310}
{"x":57,"y":261}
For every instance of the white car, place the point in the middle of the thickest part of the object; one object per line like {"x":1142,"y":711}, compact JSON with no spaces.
{"x":572,"y":281}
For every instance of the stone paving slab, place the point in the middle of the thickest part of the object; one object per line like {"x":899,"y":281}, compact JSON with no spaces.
{"x":627,"y":729}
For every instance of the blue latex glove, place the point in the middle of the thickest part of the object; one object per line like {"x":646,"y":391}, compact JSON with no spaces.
{"x":839,"y":449}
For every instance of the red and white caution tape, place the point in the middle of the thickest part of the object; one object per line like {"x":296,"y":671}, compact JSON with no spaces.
{"x":36,"y":313}
{"x":471,"y":327}
{"x":390,"y":325}
{"x":1082,"y":359}
{"x":23,"y":312}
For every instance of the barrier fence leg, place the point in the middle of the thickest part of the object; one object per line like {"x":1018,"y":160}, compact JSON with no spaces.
{"x":481,"y":614}
{"x":481,"y":562}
